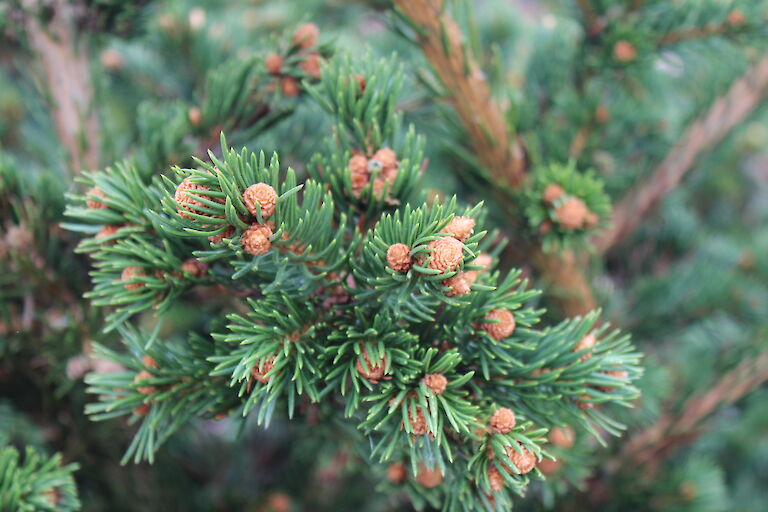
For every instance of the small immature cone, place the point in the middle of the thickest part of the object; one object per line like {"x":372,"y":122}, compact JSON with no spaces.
{"x":142,"y":410}
{"x":369,"y":371}
{"x":429,"y":477}
{"x":397,"y":473}
{"x":458,"y":284}
{"x":149,"y":362}
{"x":436,"y":382}
{"x":562,"y":437}
{"x":602,"y":114}
{"x":483,"y":260}
{"x":587,"y":342}
{"x":255,"y":240}
{"x":447,"y":254}
{"x":386,"y":157}
{"x":495,"y":480}
{"x":184,"y":200}
{"x":572,"y":213}
{"x":108,"y":230}
{"x":503,"y":421}
{"x":418,"y":423}
{"x":460,"y":227}
{"x":552,"y":193}
{"x":524,"y":460}
{"x":194,"y":267}
{"x":128,"y":274}
{"x":217,"y":239}
{"x":306,"y":35}
{"x":144,"y":390}
{"x":399,"y":257}
{"x":548,"y":466}
{"x":736,"y":18}
{"x":624,"y":51}
{"x":278,"y":502}
{"x":260,"y":371}
{"x":311,"y":65}
{"x":195,"y":116}
{"x":619,"y":374}
{"x":263,"y":195}
{"x":289,"y":86}
{"x":93,"y":203}
{"x":111,"y":59}
{"x":583,"y":403}
{"x":359,"y":174}
{"x":545,"y":227}
{"x":504,"y":326}
{"x":273,"y":63}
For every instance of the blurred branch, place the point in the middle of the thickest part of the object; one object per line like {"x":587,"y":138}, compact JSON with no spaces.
{"x":68,"y":79}
{"x":727,"y":112}
{"x":442,"y":43}
{"x":652,"y":445}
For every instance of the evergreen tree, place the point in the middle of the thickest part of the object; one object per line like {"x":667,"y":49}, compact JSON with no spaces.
{"x":265,"y":199}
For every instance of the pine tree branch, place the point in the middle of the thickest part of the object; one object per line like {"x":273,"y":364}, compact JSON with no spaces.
{"x":650,"y":446}
{"x":694,"y":33}
{"x":442,"y":43}
{"x":68,"y":78}
{"x":727,"y":112}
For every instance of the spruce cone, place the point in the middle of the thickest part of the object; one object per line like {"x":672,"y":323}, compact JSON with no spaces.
{"x":289,"y":86}
{"x":194,"y":267}
{"x":458,"y":284}
{"x":399,"y":257}
{"x":371,"y":372}
{"x":306,"y":35}
{"x":504,"y":327}
{"x":562,"y":437}
{"x":107,"y":230}
{"x":217,"y":239}
{"x":460,"y":227}
{"x":255,"y":239}
{"x":93,"y":203}
{"x":503,"y":421}
{"x":624,"y":51}
{"x":273,"y":63}
{"x":587,"y":342}
{"x":523,"y":460}
{"x":185,"y":201}
{"x":552,"y":193}
{"x":447,"y":254}
{"x":429,"y":477}
{"x":262,"y":368}
{"x":144,"y":390}
{"x":311,"y":65}
{"x":495,"y":480}
{"x":149,"y":362}
{"x":263,"y":195}
{"x":436,"y":382}
{"x":129,"y":273}
{"x":397,"y":473}
{"x":572,"y":213}
{"x":419,"y":423}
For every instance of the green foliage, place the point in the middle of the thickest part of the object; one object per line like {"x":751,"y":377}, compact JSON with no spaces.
{"x":36,"y":483}
{"x":543,"y":216}
{"x":329,"y":320}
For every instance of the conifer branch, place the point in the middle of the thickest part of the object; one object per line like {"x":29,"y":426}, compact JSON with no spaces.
{"x":442,"y":43}
{"x":725,"y":114}
{"x":68,"y":80}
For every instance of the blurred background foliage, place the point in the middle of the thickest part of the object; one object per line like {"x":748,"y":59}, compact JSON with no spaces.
{"x":690,"y":284}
